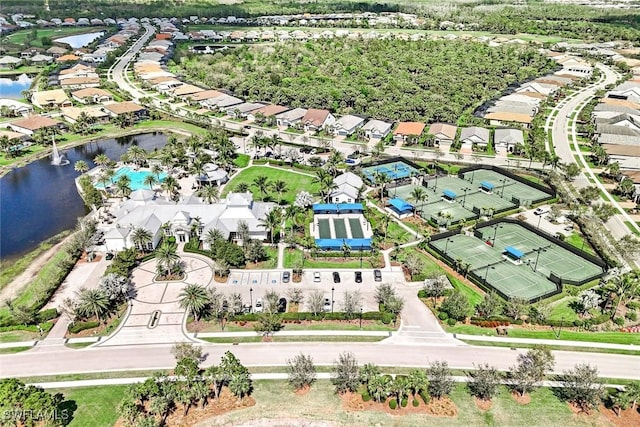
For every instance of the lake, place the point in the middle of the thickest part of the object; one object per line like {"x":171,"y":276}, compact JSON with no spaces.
{"x":80,"y":40}
{"x":40,"y":200}
{"x":13,"y":87}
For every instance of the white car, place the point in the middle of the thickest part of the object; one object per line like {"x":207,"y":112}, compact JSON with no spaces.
{"x":541,"y":210}
{"x":327,"y":304}
{"x":259,"y":307}
{"x":316,"y":276}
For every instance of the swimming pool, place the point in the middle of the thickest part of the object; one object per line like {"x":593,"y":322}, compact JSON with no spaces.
{"x":137,"y":178}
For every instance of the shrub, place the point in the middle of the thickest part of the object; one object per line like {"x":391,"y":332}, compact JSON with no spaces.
{"x":619,"y":321}
{"x":443,"y":316}
{"x":366,"y":396}
{"x":404,"y":402}
{"x":424,"y":396}
{"x":423,"y":294}
{"x":81,"y":326}
{"x":393,"y":404}
{"x":633,"y":305}
{"x":451,"y":322}
{"x":48,"y":314}
{"x":415,"y":403}
{"x":631,"y":315}
{"x":387,"y":318}
{"x":578,"y":323}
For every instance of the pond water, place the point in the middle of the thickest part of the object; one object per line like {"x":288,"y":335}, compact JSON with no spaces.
{"x":40,"y":200}
{"x":79,"y":40}
{"x":13,"y":87}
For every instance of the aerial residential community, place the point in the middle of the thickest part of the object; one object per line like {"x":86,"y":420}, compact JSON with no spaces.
{"x":322,"y":213}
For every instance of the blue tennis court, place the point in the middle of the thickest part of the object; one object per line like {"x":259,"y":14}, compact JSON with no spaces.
{"x":394,"y":170}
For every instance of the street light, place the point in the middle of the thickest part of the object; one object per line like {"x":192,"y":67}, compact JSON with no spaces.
{"x":503,"y":181}
{"x":360,"y":318}
{"x":251,"y":298}
{"x":361,"y":248}
{"x":473,"y":174}
{"x":465,"y":195}
{"x":538,"y":257}
{"x":495,"y":233}
{"x":489,"y":267}
{"x":332,"y":301}
{"x":539,"y":219}
{"x":446,"y":245}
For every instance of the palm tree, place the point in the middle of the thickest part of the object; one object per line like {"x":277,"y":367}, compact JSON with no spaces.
{"x":80,"y":166}
{"x":242,"y":187}
{"x":137,"y":154}
{"x":213,"y":236}
{"x":378,"y":387}
{"x":209,"y":193}
{"x":141,"y":237}
{"x":262,"y":183}
{"x":93,"y":302}
{"x":290,"y":213}
{"x":279,"y":187}
{"x":271,"y":221}
{"x":101,"y":160}
{"x":170,"y":185}
{"x":419,"y":195}
{"x":150,"y":180}
{"x":166,"y":256}
{"x":195,"y":299}
{"x":156,"y":170}
{"x":346,"y":249}
{"x":124,"y":185}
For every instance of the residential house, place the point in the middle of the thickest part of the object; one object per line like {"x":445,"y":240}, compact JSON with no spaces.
{"x":505,"y":118}
{"x":163,"y":218}
{"x":221,"y":102}
{"x":475,"y":136}
{"x":315,"y":120}
{"x":506,"y":139}
{"x":79,"y":82}
{"x":443,"y":133}
{"x":57,"y":51}
{"x":8,"y":61}
{"x":196,"y":98}
{"x":347,"y":125}
{"x":185,"y":89}
{"x":291,"y":117}
{"x":267,"y":111}
{"x":347,"y":188}
{"x":405,"y":130}
{"x":92,"y":96}
{"x":15,"y":108}
{"x":40,"y":60}
{"x":127,"y":107}
{"x":242,"y":110}
{"x":32,"y":124}
{"x":376,"y":129}
{"x":49,"y":99}
{"x":71,"y":114}
{"x":67,"y":58}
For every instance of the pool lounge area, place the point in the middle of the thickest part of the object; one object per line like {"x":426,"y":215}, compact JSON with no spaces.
{"x":137,"y":178}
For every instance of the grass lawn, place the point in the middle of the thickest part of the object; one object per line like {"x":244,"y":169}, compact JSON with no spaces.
{"x":293,"y":255}
{"x":472,"y":294}
{"x":609,"y":337}
{"x":561,"y":310}
{"x":12,"y":350}
{"x":296,"y":182}
{"x":94,"y":406}
{"x":578,"y":241}
{"x":241,"y":160}
{"x":24,"y":69}
{"x":270,"y":262}
{"x":18,"y":336}
{"x":553,"y":347}
{"x":214,"y":326}
{"x":20,"y":36}
{"x":300,"y":338}
{"x":630,"y":227}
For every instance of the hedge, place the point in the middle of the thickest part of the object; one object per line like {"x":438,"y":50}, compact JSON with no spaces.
{"x":415,"y":403}
{"x":404,"y":402}
{"x":48,"y":314}
{"x":393,"y":404}
{"x":370,"y":315}
{"x":424,"y":396}
{"x":46,"y":326}
{"x":81,"y":326}
{"x":366,"y":396}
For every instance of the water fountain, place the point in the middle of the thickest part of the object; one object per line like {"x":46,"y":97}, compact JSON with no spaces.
{"x":58,"y":159}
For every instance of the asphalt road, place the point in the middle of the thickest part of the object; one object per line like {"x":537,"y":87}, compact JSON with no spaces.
{"x":59,"y":360}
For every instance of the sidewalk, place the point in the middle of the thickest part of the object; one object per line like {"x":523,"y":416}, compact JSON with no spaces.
{"x":563,"y":343}
{"x":265,"y":376}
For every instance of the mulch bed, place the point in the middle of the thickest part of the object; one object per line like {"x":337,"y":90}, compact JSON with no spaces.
{"x":628,"y":418}
{"x":522,"y":400}
{"x":483,"y":405}
{"x":439,"y":408}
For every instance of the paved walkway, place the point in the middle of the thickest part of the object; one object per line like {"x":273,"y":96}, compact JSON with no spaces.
{"x":563,"y":343}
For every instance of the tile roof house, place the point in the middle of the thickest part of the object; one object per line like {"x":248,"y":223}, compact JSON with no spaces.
{"x":32,"y":124}
{"x":475,"y":135}
{"x":145,"y":209}
{"x":10,"y":62}
{"x":40,"y":59}
{"x":57,"y":51}
{"x":186,"y":89}
{"x":71,"y":114}
{"x":79,"y":82}
{"x":68,"y":58}
{"x":270,"y":110}
{"x":507,"y":139}
{"x":201,"y":96}
{"x":407,"y":129}
{"x":443,"y":132}
{"x":377,"y":129}
{"x":16,"y":107}
{"x":291,"y":117}
{"x":347,"y":125}
{"x":505,"y":117}
{"x":347,"y":187}
{"x":119,"y":108}
{"x":50,"y":99}
{"x":242,"y":110}
{"x":91,"y":96}
{"x":315,"y":119}
{"x":221,"y":102}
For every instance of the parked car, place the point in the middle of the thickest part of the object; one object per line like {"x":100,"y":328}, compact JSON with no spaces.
{"x":327,"y":304}
{"x":316,"y":276}
{"x":225,"y":305}
{"x":541,"y":210}
{"x":246,"y":309}
{"x":109,"y":255}
{"x":358,"y":277}
{"x":336,"y":277}
{"x":259,"y":307}
{"x":286,"y":276}
{"x":377,"y":275}
{"x":282,"y":305}
{"x":568,"y":228}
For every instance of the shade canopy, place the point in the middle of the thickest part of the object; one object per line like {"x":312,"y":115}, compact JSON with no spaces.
{"x":515,"y":253}
{"x":450,"y":194}
{"x":400,"y":205}
{"x":487,"y":185}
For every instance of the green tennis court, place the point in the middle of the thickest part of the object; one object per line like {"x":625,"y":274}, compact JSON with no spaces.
{"x":340,"y":228}
{"x":356,"y":228}
{"x":506,"y":187}
{"x":324,"y":229}
{"x":528,"y":276}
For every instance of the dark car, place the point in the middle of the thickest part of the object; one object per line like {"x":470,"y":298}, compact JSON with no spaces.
{"x":336,"y":277}
{"x":225,"y":306}
{"x":286,"y":276}
{"x":109,"y":255}
{"x":282,"y":305}
{"x":377,"y":275}
{"x":358,"y":277}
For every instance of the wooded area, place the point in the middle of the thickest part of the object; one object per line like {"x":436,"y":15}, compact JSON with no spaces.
{"x":386,"y":79}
